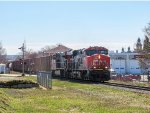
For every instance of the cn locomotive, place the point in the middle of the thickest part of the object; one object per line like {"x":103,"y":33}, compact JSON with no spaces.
{"x":92,"y":64}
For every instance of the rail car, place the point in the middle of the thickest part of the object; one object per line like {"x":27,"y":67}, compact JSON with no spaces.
{"x":32,"y":66}
{"x":92,"y":63}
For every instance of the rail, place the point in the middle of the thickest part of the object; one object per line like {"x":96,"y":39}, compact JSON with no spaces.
{"x":128,"y":86}
{"x":45,"y":79}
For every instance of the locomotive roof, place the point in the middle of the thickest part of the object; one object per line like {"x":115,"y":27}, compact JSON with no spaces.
{"x":96,"y":48}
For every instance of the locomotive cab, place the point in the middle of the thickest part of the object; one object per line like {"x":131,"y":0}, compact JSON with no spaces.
{"x":97,"y":62}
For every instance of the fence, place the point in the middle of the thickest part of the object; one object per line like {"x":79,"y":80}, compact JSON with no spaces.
{"x":126,"y":77}
{"x":45,"y":79}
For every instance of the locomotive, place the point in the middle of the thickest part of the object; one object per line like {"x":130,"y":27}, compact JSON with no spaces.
{"x":92,"y":63}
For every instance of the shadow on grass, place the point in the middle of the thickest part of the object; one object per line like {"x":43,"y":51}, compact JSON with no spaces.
{"x":18,"y":84}
{"x":77,"y":80}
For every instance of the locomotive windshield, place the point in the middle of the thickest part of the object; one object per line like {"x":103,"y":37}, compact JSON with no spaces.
{"x":92,"y":52}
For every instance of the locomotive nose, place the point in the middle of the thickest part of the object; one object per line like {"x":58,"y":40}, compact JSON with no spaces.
{"x":96,"y":64}
{"x":99,"y":62}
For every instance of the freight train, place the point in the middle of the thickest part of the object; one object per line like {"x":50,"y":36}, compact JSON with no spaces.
{"x":92,"y":63}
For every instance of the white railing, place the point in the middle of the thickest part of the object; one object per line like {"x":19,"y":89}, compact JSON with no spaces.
{"x":45,"y":79}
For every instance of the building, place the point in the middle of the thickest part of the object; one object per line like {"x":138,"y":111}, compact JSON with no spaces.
{"x":2,"y":68}
{"x":59,"y":48}
{"x":125,"y":63}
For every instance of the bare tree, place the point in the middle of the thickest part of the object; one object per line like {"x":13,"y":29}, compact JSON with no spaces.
{"x":146,"y":46}
{"x":44,"y":51}
{"x":30,"y":54}
{"x":2,"y":54}
{"x":144,"y":58}
{"x":147,"y":30}
{"x":47,"y":48}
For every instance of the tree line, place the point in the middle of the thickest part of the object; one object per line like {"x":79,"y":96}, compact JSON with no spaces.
{"x":29,"y":53}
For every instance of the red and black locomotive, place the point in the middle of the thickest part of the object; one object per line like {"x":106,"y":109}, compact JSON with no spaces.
{"x":92,"y":63}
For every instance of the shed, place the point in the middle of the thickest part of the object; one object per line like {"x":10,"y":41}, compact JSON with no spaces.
{"x":2,"y":68}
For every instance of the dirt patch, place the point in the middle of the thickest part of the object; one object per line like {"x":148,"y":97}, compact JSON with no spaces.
{"x":10,"y":78}
{"x":57,"y":88}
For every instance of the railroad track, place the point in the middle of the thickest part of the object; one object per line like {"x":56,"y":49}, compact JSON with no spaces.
{"x":127,"y":86}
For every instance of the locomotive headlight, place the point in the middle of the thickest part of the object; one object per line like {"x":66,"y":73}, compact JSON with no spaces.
{"x":94,"y":67}
{"x":106,"y":67}
{"x":99,"y":56}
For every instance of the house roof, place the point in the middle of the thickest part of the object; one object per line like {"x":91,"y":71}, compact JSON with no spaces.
{"x":59,"y":48}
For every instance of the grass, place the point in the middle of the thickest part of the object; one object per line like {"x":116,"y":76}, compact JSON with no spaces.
{"x":4,"y":103}
{"x":72,"y":97}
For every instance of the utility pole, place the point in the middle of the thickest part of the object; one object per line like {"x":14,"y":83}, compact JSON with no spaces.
{"x":23,"y":51}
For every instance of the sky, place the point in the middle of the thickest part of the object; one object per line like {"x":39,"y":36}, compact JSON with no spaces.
{"x":75,"y":24}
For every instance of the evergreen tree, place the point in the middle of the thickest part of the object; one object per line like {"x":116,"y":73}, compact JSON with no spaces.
{"x":138,"y":45}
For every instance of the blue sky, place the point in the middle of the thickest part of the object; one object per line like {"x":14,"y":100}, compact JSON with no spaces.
{"x":74,"y":24}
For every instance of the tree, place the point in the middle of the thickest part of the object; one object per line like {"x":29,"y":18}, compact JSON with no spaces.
{"x":44,"y":51}
{"x":138,"y":45}
{"x":2,"y":54}
{"x":144,"y":60}
{"x":146,"y":45}
{"x":47,"y":48}
{"x":122,"y":50}
{"x":30,"y":54}
{"x":147,"y":30}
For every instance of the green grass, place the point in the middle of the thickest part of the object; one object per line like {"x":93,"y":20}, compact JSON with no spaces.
{"x":71,"y":97}
{"x":4,"y":103}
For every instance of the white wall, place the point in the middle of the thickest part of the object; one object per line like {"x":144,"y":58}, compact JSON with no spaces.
{"x":118,"y":66}
{"x":133,"y":67}
{"x":128,"y":65}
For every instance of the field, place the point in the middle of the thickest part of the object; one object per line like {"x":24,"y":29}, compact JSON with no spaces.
{"x":72,"y":97}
